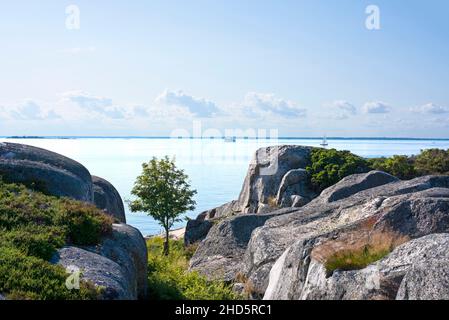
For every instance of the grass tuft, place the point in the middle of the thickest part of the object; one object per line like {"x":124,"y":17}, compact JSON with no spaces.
{"x":359,"y":255}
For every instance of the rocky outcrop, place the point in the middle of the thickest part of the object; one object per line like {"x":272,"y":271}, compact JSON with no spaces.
{"x":226,"y":210}
{"x":119,"y":262}
{"x":46,"y":171}
{"x":118,"y":265}
{"x":197,"y":229}
{"x":353,"y":184}
{"x":59,"y":176}
{"x":128,"y":249}
{"x":266,"y":171}
{"x":107,"y":198}
{"x":400,"y":275}
{"x":276,"y":178}
{"x":319,"y":216}
{"x":100,"y":271}
{"x":408,"y":208}
{"x":219,"y":256}
{"x":283,"y":255}
{"x":428,"y":280}
{"x":294,"y":189}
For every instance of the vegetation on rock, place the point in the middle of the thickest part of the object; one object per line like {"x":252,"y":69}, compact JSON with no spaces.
{"x":399,"y":166}
{"x":358,"y":255}
{"x":432,"y":161}
{"x":163,"y":192}
{"x":32,"y":227}
{"x":328,"y":166}
{"x":169,"y":278}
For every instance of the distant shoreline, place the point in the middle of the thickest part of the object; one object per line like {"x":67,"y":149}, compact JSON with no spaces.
{"x":220,"y":138}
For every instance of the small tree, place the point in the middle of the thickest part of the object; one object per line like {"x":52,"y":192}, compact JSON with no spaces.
{"x":163,"y":192}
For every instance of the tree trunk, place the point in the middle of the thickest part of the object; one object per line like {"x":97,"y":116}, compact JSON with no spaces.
{"x":166,"y":243}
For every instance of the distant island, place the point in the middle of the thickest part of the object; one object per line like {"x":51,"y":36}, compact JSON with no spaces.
{"x":25,"y":137}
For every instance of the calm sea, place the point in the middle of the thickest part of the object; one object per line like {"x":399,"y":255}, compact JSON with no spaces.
{"x":216,"y":168}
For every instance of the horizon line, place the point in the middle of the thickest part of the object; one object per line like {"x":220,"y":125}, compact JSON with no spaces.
{"x":215,"y":138}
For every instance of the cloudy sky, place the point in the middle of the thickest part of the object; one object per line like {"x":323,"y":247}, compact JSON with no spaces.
{"x":306,"y":68}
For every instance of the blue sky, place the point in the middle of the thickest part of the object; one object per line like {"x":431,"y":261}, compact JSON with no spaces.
{"x":306,"y":68}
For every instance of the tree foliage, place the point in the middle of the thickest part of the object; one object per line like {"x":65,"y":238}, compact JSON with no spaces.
{"x":328,"y":166}
{"x":163,"y":192}
{"x":398,"y":166}
{"x":432,"y":161}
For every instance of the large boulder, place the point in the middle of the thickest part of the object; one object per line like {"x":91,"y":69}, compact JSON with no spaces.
{"x":118,"y":264}
{"x":294,"y":189}
{"x":45,"y":171}
{"x":414,"y":270}
{"x":276,"y":178}
{"x":126,"y":246}
{"x":223,"y":211}
{"x":107,"y":198}
{"x":265,"y":173}
{"x":219,"y":256}
{"x":412,"y":208}
{"x":197,"y":229}
{"x":428,"y":280}
{"x":100,"y":271}
{"x":355,"y":183}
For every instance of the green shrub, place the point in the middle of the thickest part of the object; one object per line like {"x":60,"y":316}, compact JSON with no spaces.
{"x":32,"y":227}
{"x":432,"y":161}
{"x":330,"y":166}
{"x":401,"y":167}
{"x":38,"y":241}
{"x":169,"y":279}
{"x":84,"y":224}
{"x":25,"y":277}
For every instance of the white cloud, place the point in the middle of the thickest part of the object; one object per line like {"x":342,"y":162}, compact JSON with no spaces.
{"x":140,"y":111}
{"x":340,"y":110}
{"x":267,"y":104}
{"x":100,"y":105}
{"x":198,"y":107}
{"x":88,"y":101}
{"x":376,"y":107}
{"x":345,"y":106}
{"x":28,"y":110}
{"x":432,"y":109}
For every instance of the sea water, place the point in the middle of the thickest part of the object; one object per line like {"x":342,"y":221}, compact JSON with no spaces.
{"x":216,"y":168}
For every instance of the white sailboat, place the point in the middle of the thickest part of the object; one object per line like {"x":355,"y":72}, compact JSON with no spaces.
{"x":324,"y":143}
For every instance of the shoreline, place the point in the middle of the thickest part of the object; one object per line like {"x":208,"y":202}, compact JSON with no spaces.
{"x":175,"y":234}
